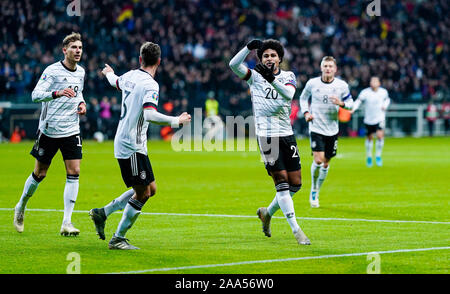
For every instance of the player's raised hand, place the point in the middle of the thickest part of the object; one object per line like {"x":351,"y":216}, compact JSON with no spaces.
{"x":254,"y":44}
{"x":184,"y":118}
{"x":68,"y":92}
{"x":266,"y":72}
{"x":107,"y":69}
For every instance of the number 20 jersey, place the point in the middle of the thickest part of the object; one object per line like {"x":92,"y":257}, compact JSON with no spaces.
{"x":139,"y":91}
{"x":271,"y":111}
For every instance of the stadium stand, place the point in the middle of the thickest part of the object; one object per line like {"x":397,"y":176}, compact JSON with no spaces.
{"x":407,"y":46}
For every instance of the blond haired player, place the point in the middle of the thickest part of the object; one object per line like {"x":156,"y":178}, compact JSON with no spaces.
{"x":327,"y":94}
{"x":60,"y":91}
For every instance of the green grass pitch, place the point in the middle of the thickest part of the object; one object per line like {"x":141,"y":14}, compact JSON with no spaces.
{"x":203,"y":218}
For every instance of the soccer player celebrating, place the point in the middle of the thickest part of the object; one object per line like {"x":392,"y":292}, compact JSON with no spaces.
{"x":60,"y":91}
{"x":272,"y":90}
{"x":140,"y":93}
{"x":327,"y":94}
{"x":376,"y":100}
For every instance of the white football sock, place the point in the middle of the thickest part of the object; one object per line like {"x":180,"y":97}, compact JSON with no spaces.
{"x":322,"y":175}
{"x":70,"y":197}
{"x":287,"y":205}
{"x":273,"y":207}
{"x":119,"y":203}
{"x":129,"y":217}
{"x":379,"y":147}
{"x":314,"y":174}
{"x":29,"y":188}
{"x":369,"y":147}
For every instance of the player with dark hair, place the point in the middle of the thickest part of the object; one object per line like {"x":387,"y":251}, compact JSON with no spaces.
{"x":272,"y":90}
{"x":327,"y":94}
{"x":60,"y":91}
{"x":140,"y":94}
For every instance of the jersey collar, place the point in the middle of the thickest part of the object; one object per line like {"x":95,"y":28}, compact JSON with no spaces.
{"x":321,"y":79}
{"x":72,"y":70}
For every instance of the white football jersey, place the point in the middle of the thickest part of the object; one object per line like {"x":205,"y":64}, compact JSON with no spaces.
{"x":139,"y":91}
{"x":270,"y":109}
{"x":325,"y":113}
{"x":374,"y":103}
{"x":59,"y":117}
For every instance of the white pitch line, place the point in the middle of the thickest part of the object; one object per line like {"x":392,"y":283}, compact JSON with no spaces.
{"x":248,"y":216}
{"x":278,"y":260}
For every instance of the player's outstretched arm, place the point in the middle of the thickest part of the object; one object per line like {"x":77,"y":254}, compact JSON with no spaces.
{"x":108,"y":72}
{"x":152,"y":115}
{"x":236,"y":63}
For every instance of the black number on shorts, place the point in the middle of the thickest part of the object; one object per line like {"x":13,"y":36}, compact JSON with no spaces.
{"x":325,"y":98}
{"x":295,"y":149}
{"x":273,"y":94}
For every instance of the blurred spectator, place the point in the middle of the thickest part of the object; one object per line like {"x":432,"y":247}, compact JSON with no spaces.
{"x":407,"y":46}
{"x":431,"y":114}
{"x":17,"y":135}
{"x":3,"y":129}
{"x":445,"y":112}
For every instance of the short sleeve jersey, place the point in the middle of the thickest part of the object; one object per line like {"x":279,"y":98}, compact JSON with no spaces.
{"x":139,"y":91}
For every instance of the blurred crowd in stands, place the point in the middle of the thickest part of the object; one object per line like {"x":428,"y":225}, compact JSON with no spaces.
{"x":407,"y":46}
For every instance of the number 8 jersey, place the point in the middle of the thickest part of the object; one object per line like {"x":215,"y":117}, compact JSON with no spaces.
{"x":325,"y":113}
{"x":59,"y":117}
{"x":271,"y":111}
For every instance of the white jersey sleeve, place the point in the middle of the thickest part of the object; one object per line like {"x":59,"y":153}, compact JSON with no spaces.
{"x":59,"y":117}
{"x":304,"y":97}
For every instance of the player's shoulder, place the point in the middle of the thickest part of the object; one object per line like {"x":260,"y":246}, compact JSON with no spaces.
{"x":341,"y":82}
{"x":383,"y":90}
{"x":314,"y":81}
{"x":287,"y":73}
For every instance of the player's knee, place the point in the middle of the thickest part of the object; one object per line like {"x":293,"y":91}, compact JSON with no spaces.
{"x":152,"y":190}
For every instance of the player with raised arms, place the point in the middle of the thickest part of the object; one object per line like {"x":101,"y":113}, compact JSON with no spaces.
{"x":376,"y":100}
{"x":59,"y":89}
{"x":327,"y":94}
{"x":272,"y":90}
{"x":140,"y":93}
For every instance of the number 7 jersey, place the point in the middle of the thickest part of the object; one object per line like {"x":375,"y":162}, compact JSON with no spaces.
{"x":139,"y":91}
{"x":271,"y":111}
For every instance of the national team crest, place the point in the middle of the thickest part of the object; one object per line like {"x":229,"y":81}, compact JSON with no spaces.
{"x":41,"y":151}
{"x":143,"y":175}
